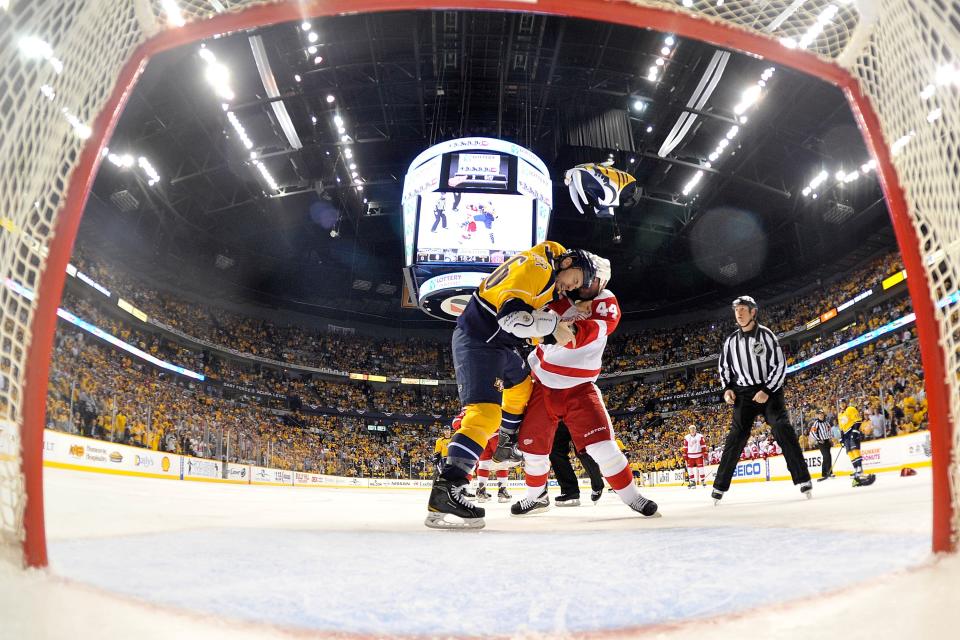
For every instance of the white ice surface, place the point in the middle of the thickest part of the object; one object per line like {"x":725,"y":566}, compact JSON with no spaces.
{"x":236,"y":561}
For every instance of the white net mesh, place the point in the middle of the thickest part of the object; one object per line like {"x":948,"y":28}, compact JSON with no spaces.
{"x":896,"y":48}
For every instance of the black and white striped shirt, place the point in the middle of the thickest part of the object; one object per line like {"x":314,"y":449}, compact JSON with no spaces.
{"x":821,"y":430}
{"x":753,"y":359}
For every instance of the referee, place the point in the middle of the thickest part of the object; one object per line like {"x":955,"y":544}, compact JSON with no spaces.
{"x":753,"y":370}
{"x":821,"y":432}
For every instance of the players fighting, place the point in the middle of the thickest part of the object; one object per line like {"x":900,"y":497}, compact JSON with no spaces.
{"x":508,"y":308}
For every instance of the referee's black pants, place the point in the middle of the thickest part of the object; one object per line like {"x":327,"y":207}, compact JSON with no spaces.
{"x":745,"y":411}
{"x":563,"y":469}
{"x":826,"y":466}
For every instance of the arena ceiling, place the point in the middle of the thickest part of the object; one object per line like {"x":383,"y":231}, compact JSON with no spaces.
{"x":571,"y":90}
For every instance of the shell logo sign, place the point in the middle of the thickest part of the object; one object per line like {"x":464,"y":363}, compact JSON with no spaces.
{"x":165,"y":463}
{"x":116,"y":457}
{"x":76,"y":451}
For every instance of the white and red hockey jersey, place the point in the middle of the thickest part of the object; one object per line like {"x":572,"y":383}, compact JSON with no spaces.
{"x":567,"y":366}
{"x":695,"y":446}
{"x":771,"y":448}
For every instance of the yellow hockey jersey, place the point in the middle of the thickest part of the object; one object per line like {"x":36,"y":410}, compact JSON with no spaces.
{"x":849,"y":418}
{"x":441,"y":446}
{"x":523,"y":282}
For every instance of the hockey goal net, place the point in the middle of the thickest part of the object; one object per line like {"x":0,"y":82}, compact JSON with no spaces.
{"x":66,"y":67}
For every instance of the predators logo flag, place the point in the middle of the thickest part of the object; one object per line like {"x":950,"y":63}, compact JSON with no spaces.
{"x":601,"y":187}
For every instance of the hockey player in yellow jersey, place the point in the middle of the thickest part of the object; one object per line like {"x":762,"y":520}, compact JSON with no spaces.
{"x":493,"y":382}
{"x":849,"y":421}
{"x":440,"y":447}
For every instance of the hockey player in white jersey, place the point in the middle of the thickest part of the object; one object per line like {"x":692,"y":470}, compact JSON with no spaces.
{"x":564,"y":389}
{"x":694,"y":451}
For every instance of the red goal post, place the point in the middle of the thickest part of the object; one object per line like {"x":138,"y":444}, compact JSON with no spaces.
{"x":882,"y":53}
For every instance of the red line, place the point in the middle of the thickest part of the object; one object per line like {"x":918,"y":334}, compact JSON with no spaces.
{"x":661,"y":19}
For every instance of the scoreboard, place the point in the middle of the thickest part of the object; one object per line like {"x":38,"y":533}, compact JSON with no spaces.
{"x":468,"y":205}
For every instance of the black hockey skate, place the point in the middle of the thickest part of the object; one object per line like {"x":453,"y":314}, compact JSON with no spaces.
{"x":447,"y":498}
{"x":717,"y":496}
{"x":806,"y":489}
{"x":645,"y":507}
{"x":567,"y":500}
{"x":503,"y":495}
{"x":864,"y":479}
{"x":595,"y":496}
{"x":482,"y":494}
{"x":691,"y":484}
{"x":526,"y":507}
{"x":506,"y":454}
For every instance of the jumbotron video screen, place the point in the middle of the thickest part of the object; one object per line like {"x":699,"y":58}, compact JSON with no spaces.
{"x":473,"y":227}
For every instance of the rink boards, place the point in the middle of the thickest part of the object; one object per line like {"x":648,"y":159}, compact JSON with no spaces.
{"x":67,"y":451}
{"x":889,"y":454}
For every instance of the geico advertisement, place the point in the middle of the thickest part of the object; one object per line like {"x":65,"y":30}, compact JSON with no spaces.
{"x":98,"y":454}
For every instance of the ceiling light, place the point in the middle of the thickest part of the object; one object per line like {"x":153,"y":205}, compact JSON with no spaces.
{"x":650,"y":129}
{"x":313,"y":119}
{"x":789,"y":43}
{"x":947,"y":74}
{"x":901,"y":142}
{"x":665,"y":51}
{"x":341,"y":130}
{"x":639,"y":105}
{"x":337,"y":120}
{"x":312,"y":50}
{"x":296,"y":77}
{"x":360,"y":187}
{"x":152,"y":175}
{"x":174,"y":17}
{"x":82,"y":130}
{"x":840,"y":175}
{"x":807,"y":191}
{"x":254,"y":155}
{"x":312,"y":36}
{"x":693,"y":182}
{"x":357,"y":181}
{"x":733,"y":132}
{"x":344,"y":138}
{"x":814,"y":196}
{"x":330,"y":98}
{"x":743,"y":119}
{"x":354,"y":174}
{"x":934,"y":115}
{"x":669,"y":41}
{"x":723,"y":143}
{"x":34,"y":47}
{"x":318,"y":60}
{"x":632,"y":160}
{"x":348,"y":152}
{"x":353,"y":166}
{"x":713,"y":156}
{"x":305,"y":25}
{"x":688,"y":3}
{"x":659,"y":62}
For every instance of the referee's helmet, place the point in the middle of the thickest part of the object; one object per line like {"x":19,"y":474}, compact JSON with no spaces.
{"x":745,"y":300}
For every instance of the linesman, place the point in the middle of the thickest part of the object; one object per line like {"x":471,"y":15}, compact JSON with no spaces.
{"x":752,"y":372}
{"x":821,"y":433}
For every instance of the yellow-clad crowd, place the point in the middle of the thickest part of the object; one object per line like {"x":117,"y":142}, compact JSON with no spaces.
{"x":269,"y":416}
